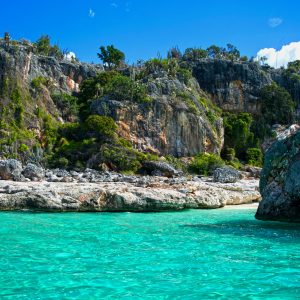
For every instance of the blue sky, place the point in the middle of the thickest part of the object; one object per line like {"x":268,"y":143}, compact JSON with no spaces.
{"x":144,"y":28}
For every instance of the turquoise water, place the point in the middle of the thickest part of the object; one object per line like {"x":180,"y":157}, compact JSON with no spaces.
{"x":197,"y":254}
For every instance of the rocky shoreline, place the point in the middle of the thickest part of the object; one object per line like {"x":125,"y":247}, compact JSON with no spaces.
{"x":33,"y":188}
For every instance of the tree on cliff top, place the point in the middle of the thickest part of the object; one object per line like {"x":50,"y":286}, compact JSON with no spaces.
{"x":111,"y":56}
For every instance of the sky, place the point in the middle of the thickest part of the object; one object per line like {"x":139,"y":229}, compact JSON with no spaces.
{"x":142,"y":29}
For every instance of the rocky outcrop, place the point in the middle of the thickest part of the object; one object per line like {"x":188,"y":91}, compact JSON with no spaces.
{"x":22,"y":64}
{"x":142,"y":194}
{"x":234,"y":86}
{"x":10,"y":169}
{"x":226,"y":175}
{"x":280,"y":179}
{"x":166,"y":124}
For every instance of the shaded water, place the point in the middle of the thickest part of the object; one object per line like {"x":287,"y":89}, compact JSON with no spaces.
{"x":196,"y":254}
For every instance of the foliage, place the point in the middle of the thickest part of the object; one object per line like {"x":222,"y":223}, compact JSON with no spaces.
{"x":238,"y":133}
{"x":254,"y":157}
{"x":101,"y":127}
{"x":43,"y":46}
{"x":277,"y":106}
{"x":111,"y":56}
{"x":184,"y":75}
{"x":174,"y":52}
{"x":67,"y":105}
{"x":194,"y":54}
{"x":111,"y":84}
{"x":205,"y":163}
{"x":39,"y":82}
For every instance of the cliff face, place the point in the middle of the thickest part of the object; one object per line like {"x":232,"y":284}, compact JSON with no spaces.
{"x":173,"y":122}
{"x":234,"y":86}
{"x":20,"y":63}
{"x":280,"y":180}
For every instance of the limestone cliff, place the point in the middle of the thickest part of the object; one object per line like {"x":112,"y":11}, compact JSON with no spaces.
{"x":175,"y":121}
{"x":234,"y":86}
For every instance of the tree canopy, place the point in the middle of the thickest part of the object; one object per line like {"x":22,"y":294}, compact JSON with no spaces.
{"x":111,"y":56}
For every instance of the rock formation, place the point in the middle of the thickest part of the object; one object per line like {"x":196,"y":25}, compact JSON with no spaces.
{"x":280,"y":179}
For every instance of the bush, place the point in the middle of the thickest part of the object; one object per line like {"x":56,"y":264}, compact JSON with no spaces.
{"x":205,"y":163}
{"x":40,"y":81}
{"x":254,"y":157}
{"x":277,"y":105}
{"x":101,"y":127}
{"x":67,"y":104}
{"x":228,"y":154}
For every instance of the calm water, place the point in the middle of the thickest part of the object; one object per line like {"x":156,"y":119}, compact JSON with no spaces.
{"x":197,"y":254}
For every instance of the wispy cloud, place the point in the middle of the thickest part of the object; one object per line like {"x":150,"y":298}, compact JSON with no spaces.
{"x":275,"y":22}
{"x":91,"y":13}
{"x":114,"y":5}
{"x":282,"y":57}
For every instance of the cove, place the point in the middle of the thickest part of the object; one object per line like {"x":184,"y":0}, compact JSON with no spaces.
{"x":194,"y":254}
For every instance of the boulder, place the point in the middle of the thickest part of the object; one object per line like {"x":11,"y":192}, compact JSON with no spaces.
{"x":226,"y":175}
{"x":280,"y":180}
{"x":159,"y":168}
{"x":33,"y":172}
{"x":10,"y":169}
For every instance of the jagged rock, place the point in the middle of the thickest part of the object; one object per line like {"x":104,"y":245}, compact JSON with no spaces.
{"x":10,"y":169}
{"x":226,"y":175}
{"x":33,"y":172}
{"x":280,"y":180}
{"x":234,"y":86}
{"x":158,"y":168}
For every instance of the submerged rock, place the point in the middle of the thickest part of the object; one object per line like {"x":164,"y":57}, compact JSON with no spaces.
{"x":226,"y":175}
{"x":280,"y":180}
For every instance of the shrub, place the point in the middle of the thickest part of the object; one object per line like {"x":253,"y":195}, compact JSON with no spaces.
{"x":184,"y":75}
{"x":228,"y":154}
{"x":238,"y":133}
{"x":205,"y":163}
{"x":277,"y":105}
{"x":67,"y":104}
{"x":40,"y":81}
{"x":254,"y":157}
{"x":101,"y":127}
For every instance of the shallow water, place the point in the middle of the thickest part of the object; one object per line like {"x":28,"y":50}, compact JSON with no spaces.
{"x":196,"y":254}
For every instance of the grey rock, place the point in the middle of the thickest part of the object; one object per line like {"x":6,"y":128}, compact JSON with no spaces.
{"x":280,"y":181}
{"x":33,"y":172}
{"x":158,"y":168}
{"x":10,"y":169}
{"x":124,"y":196}
{"x":226,"y":175}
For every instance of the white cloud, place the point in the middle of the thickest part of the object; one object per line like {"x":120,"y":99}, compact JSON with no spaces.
{"x":282,"y":57}
{"x":114,"y":5}
{"x":70,"y":56}
{"x":91,"y":13}
{"x":274,"y":22}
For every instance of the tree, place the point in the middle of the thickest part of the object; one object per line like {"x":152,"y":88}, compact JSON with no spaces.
{"x":43,"y":45}
{"x":232,"y":52}
{"x":194,"y":54}
{"x":111,"y":56}
{"x":277,"y":105}
{"x":174,"y":53}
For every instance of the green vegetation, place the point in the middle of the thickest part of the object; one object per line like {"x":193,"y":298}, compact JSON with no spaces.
{"x":113,"y":85}
{"x":205,"y":164}
{"x":67,"y":105}
{"x":43,"y":47}
{"x":111,"y":57}
{"x":214,"y":52}
{"x":277,"y":106}
{"x":254,"y":157}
